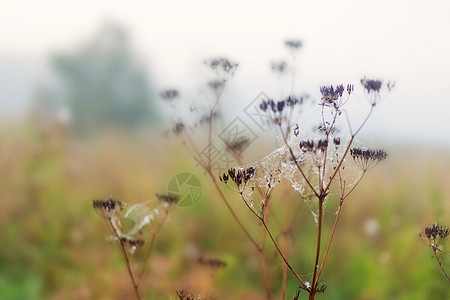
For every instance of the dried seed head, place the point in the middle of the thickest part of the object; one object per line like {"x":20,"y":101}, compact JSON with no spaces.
{"x":168,"y":198}
{"x":367,"y":159}
{"x":240,"y":177}
{"x":337,"y":141}
{"x":332,"y":96}
{"x":434,"y":231}
{"x":178,"y":128}
{"x":169,"y":95}
{"x":137,"y":242}
{"x":322,"y":145}
{"x":108,"y":208}
{"x":307,"y":145}
{"x":371,"y":85}
{"x":222,"y":65}
{"x":279,"y":67}
{"x":293,"y":44}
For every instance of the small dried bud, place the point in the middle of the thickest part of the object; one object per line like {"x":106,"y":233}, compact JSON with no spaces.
{"x":296,"y":130}
{"x":132,"y":241}
{"x":350,"y":88}
{"x":322,"y":145}
{"x":337,"y":141}
{"x":307,"y":145}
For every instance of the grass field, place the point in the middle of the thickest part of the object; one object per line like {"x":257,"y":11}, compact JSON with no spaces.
{"x":55,"y":246}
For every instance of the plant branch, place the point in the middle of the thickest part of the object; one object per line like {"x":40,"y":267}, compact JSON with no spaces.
{"x":127,"y":260}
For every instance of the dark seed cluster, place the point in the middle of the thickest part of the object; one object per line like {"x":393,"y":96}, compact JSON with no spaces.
{"x":331,"y":96}
{"x":371,"y":85}
{"x":279,"y":67}
{"x":169,"y":95}
{"x":434,"y":231}
{"x":178,"y":128}
{"x":279,"y":106}
{"x":108,"y":207}
{"x":313,"y":146}
{"x":239,"y":177}
{"x":367,"y":158}
{"x":212,"y":262}
{"x":222,"y":64}
{"x":293,"y":44}
{"x":170,"y":199}
{"x":132,"y":241}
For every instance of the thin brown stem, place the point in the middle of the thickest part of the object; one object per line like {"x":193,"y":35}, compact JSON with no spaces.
{"x":348,"y":149}
{"x":440,"y":264}
{"x":338,"y":213}
{"x":285,"y":243}
{"x":222,"y":196}
{"x":319,"y":236}
{"x":274,"y":242}
{"x":262,"y":258}
{"x":127,"y":260}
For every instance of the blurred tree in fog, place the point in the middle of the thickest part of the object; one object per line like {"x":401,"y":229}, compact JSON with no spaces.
{"x":100,"y":85}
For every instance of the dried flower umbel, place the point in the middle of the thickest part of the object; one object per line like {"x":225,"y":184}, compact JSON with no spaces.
{"x":433,"y":236}
{"x":293,"y":44}
{"x":108,"y":208}
{"x":373,"y":88}
{"x":170,"y":94}
{"x":282,"y":112}
{"x":223,"y":67}
{"x":240,"y":177}
{"x":334,"y":96}
{"x":279,"y":67}
{"x":367,"y":159}
{"x":142,"y":215}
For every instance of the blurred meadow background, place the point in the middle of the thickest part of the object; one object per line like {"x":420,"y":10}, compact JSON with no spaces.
{"x":82,"y":118}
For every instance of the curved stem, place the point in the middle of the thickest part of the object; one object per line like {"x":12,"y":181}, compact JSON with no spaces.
{"x":338,"y":213}
{"x":274,"y":242}
{"x":127,"y":260}
{"x":440,"y":265}
{"x":222,"y":196}
{"x":319,"y":236}
{"x":348,"y":148}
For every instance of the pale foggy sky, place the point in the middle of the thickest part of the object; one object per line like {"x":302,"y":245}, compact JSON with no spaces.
{"x":407,"y":41}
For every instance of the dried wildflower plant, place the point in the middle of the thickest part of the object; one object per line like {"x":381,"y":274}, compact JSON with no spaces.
{"x":433,"y":237}
{"x":128,"y":223}
{"x":312,"y":165}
